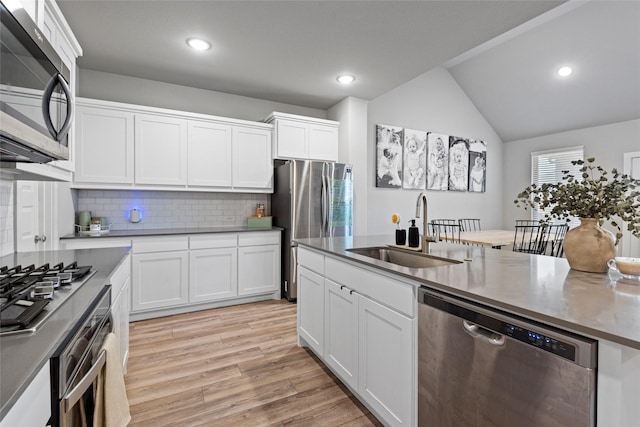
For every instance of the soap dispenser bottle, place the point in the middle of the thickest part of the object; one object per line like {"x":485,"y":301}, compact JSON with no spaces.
{"x":414,"y":235}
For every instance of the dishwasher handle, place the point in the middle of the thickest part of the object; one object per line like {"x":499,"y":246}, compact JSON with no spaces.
{"x":483,"y":334}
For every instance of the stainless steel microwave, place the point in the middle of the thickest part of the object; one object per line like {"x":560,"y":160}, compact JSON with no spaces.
{"x":36,"y":106}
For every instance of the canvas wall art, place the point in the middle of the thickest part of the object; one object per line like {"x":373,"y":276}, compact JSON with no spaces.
{"x":477,"y":166}
{"x":458,"y":163}
{"x":415,"y":159}
{"x":389,"y":140}
{"x":438,"y":161}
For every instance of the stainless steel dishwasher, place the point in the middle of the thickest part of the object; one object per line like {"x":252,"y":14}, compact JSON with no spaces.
{"x":481,"y":367}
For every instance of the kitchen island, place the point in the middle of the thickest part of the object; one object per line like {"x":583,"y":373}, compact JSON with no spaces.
{"x":23,"y":356}
{"x":539,"y":288}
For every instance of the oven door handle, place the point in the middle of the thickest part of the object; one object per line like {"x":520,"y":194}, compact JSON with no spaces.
{"x":71,"y":398}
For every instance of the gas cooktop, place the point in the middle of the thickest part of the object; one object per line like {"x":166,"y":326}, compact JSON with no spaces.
{"x":29,"y":295}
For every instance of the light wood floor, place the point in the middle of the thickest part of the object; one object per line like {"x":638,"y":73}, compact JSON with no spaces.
{"x":233,"y":366}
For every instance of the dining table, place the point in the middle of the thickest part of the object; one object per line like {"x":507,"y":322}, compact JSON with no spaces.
{"x":492,"y":238}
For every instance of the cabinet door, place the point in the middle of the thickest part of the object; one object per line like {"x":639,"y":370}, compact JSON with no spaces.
{"x":120,"y":314}
{"x":258,"y":269}
{"x":209,"y":154}
{"x":341,"y":331}
{"x":121,"y":293}
{"x":104,"y":152}
{"x":323,"y":142}
{"x":386,"y":362}
{"x":292,"y":139}
{"x":160,"y":150}
{"x":213,"y":274}
{"x":252,"y":161}
{"x":311,"y":308}
{"x":160,"y":279}
{"x":33,"y":407}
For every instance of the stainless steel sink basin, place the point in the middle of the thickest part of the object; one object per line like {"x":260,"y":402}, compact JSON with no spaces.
{"x":403,"y":257}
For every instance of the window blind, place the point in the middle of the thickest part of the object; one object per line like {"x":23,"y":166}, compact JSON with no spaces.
{"x":547,"y":167}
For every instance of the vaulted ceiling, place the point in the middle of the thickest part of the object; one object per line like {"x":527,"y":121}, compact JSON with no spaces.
{"x":292,"y":51}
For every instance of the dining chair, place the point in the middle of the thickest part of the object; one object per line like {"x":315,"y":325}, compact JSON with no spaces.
{"x":556,"y":238}
{"x":531,"y":239}
{"x":446,"y":229}
{"x":469,"y":224}
{"x":527,"y":222}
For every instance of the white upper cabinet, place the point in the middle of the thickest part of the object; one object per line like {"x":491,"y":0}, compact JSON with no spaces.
{"x":292,"y":139}
{"x":131,"y":146}
{"x":106,"y":152}
{"x":209,"y":154}
{"x":323,"y":142}
{"x":160,"y":150}
{"x":252,"y":161}
{"x":300,"y":137}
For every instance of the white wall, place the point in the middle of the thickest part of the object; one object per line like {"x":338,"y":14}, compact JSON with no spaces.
{"x":606,"y":143}
{"x":433,"y":102}
{"x":132,"y":90}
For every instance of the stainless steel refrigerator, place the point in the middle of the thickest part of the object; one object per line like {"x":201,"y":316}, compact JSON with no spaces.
{"x":311,"y":199}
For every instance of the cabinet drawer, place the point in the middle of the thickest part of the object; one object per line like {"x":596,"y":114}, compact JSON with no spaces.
{"x":259,"y":238}
{"x":95,"y":243}
{"x":394,"y":294}
{"x":160,"y":244}
{"x":209,"y":241}
{"x":311,"y":260}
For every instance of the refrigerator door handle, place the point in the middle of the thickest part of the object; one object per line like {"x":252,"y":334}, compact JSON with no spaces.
{"x":324,"y":208}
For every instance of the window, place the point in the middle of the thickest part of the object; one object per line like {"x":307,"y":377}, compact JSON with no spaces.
{"x":547,"y":167}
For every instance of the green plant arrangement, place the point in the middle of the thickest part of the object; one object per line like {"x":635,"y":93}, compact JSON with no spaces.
{"x":595,"y":194}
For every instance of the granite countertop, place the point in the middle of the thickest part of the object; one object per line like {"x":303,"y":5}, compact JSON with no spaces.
{"x":169,"y":232}
{"x":537,"y":287}
{"x":22,"y":356}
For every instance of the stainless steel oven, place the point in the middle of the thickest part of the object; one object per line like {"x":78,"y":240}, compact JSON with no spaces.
{"x":36,"y":107}
{"x":76,"y":364}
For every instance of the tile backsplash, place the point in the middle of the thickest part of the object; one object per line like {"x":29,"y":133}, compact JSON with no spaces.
{"x":169,"y":209}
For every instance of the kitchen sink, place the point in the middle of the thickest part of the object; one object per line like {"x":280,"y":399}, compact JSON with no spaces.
{"x":403,"y":257}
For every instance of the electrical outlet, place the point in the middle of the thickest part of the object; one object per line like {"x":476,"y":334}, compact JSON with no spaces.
{"x":229,"y":219}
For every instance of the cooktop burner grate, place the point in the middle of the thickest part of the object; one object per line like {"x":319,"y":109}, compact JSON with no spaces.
{"x":29,"y":294}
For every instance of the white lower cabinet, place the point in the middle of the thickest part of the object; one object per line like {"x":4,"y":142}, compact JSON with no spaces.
{"x":180,"y":273}
{"x":258,"y":269}
{"x":33,"y":407}
{"x":160,"y":273}
{"x":214,"y":274}
{"x":310,"y":308}
{"x":177,"y":274}
{"x":121,"y":321}
{"x":161,"y":280}
{"x":367,"y":344}
{"x":341,"y":331}
{"x":120,"y":281}
{"x":258,"y":262}
{"x":385,"y":364}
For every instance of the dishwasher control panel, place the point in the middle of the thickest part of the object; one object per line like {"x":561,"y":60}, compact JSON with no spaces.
{"x":537,"y":339}
{"x":580,"y":350}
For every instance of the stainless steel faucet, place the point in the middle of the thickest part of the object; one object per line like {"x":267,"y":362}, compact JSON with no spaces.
{"x":426,"y":238}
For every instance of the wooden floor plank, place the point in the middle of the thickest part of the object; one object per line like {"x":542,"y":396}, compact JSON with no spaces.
{"x":233,"y":366}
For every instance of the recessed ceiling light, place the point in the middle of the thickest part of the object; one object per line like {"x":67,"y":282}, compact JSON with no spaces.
{"x":345,"y":79}
{"x":198,"y":44}
{"x":565,"y":71}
